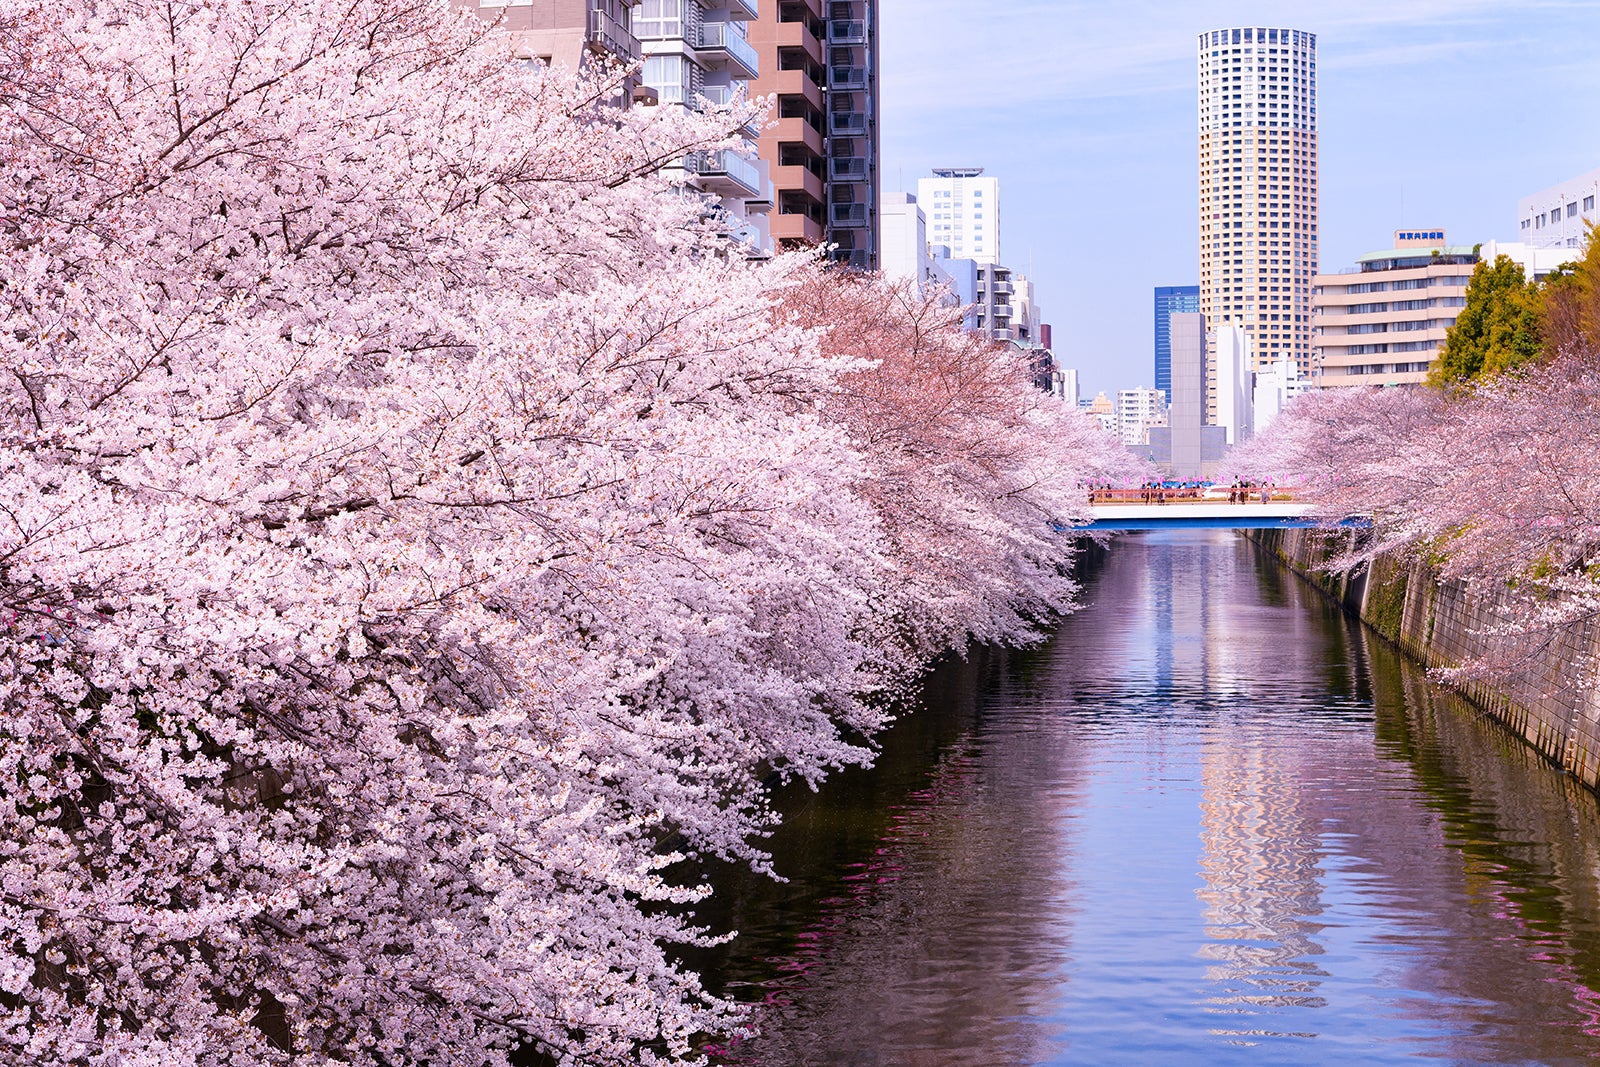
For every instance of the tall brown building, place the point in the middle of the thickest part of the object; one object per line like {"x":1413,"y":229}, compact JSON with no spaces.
{"x":820,"y":59}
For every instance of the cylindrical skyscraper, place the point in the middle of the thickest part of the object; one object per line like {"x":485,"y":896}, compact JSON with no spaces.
{"x":1258,"y":190}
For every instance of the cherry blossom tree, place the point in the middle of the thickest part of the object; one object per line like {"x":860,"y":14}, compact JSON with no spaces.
{"x":966,"y":463}
{"x":1498,"y":485}
{"x":417,"y":534}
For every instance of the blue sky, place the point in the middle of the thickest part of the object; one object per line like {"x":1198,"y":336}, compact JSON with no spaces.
{"x":1085,"y":111}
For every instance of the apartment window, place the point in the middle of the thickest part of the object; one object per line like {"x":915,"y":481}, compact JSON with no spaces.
{"x":1588,"y":203}
{"x":1572,"y":209}
{"x":658,"y":18}
{"x":668,"y":75}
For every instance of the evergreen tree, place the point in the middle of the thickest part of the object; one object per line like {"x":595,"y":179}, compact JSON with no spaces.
{"x":1497,"y":330}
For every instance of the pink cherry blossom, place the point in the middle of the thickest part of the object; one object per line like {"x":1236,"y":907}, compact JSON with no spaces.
{"x":418,"y":534}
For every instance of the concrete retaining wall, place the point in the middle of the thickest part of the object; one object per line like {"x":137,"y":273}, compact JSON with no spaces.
{"x":1442,"y":624}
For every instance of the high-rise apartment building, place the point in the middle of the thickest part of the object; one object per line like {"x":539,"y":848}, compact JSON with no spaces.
{"x":819,"y":58}
{"x":1258,"y":190}
{"x":1170,"y":300}
{"x":963,"y":210}
{"x":696,"y":54}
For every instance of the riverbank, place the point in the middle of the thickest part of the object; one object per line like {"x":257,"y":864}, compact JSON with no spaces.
{"x":1442,"y":624}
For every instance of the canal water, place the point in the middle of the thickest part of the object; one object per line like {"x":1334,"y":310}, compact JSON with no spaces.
{"x":1210,"y":822}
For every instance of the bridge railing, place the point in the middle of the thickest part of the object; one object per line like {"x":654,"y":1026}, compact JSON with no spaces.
{"x":1215,"y":494}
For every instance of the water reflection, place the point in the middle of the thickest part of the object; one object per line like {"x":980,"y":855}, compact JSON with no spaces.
{"x":1208,"y":823}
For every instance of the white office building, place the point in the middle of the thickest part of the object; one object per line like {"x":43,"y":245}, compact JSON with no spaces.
{"x":1276,"y":386}
{"x":1558,"y":217}
{"x":1235,"y":384}
{"x":1137,"y":410}
{"x":963,"y":211}
{"x":1066,"y":382}
{"x":903,"y":245}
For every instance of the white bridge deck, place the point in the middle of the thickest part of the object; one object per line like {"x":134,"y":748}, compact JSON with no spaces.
{"x":1202,"y":514}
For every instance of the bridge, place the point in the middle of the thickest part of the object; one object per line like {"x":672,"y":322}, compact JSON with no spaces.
{"x":1200,"y":514}
{"x":1195,"y":507}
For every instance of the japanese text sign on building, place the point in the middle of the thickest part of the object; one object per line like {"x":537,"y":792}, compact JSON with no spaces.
{"x":1418,"y":238}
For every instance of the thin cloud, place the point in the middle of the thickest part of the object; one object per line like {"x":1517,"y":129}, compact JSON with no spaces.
{"x":943,"y":55}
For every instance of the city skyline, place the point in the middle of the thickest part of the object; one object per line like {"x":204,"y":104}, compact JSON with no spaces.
{"x":1098,"y":154}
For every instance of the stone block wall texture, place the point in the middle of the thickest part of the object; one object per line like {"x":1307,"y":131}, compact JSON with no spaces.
{"x":1545,"y":700}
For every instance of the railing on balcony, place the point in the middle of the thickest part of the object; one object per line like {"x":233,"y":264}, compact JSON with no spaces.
{"x":847,"y":31}
{"x":847,"y":122}
{"x":847,"y":78}
{"x":849,"y":215}
{"x":612,"y":36}
{"x":847,"y":168}
{"x":723,"y":97}
{"x":727,"y":165}
{"x":721,"y":37}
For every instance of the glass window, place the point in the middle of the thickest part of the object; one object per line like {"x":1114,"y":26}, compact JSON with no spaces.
{"x":658,"y":18}
{"x":1588,"y":203}
{"x":668,"y":76}
{"x":1572,"y":209}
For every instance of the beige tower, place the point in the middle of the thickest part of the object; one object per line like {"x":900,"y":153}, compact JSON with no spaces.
{"x":1258,"y":191}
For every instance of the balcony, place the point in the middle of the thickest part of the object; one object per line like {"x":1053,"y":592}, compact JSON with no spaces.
{"x":847,"y":123}
{"x":721,"y":98}
{"x":747,"y":8}
{"x":847,"y":169}
{"x":796,"y":228}
{"x":847,"y":78}
{"x":849,"y":216}
{"x":799,"y":35}
{"x":799,"y":83}
{"x":798,"y":131}
{"x":798,"y":178}
{"x":847,"y":31}
{"x":724,"y":173}
{"x":721,"y":37}
{"x":606,"y":34}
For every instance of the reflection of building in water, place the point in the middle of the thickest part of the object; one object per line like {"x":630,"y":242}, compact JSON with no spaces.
{"x":1260,"y":864}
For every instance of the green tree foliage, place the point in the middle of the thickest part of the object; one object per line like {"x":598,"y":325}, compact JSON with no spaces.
{"x":1497,"y":330}
{"x":1570,"y":311}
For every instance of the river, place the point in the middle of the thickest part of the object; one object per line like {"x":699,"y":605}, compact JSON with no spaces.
{"x":1211,"y":821}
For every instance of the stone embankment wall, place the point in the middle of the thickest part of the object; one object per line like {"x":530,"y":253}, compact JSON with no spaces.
{"x":1443,"y":624}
